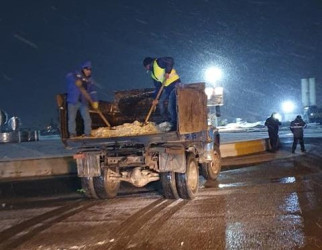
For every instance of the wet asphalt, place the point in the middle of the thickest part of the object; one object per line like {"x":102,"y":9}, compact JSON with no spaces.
{"x":275,"y":203}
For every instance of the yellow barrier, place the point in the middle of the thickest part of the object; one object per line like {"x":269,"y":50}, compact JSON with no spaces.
{"x":243,"y":148}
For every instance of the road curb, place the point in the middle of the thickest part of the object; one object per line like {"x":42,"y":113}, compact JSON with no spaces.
{"x":37,"y":167}
{"x":56,"y":166}
{"x":244,"y":148}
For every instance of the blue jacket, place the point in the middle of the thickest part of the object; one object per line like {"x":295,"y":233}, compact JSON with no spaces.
{"x":73,"y":93}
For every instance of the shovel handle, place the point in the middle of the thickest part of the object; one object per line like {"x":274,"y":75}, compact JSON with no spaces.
{"x":153,"y":104}
{"x":103,"y":117}
{"x":89,"y":99}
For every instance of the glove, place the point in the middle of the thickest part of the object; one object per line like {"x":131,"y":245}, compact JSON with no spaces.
{"x":95,"y":105}
{"x":78,"y":83}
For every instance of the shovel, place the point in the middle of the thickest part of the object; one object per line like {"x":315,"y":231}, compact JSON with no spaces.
{"x":153,"y":104}
{"x":89,"y":99}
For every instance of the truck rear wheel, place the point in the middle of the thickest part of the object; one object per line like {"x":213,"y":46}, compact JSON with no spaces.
{"x":88,"y":187}
{"x":105,"y":187}
{"x":188,"y":182}
{"x":168,"y":183}
{"x":210,"y":170}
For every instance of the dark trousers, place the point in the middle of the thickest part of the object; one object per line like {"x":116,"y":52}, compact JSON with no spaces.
{"x":273,"y":139}
{"x":171,"y":108}
{"x":295,"y":141}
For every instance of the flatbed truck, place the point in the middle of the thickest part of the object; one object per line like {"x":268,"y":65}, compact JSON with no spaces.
{"x":175,"y":158}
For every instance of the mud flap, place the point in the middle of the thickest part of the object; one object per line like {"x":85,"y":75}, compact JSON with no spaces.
{"x":88,"y":164}
{"x":173,"y":160}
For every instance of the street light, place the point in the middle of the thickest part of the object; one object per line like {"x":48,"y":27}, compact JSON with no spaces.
{"x":212,"y":75}
{"x":288,"y":106}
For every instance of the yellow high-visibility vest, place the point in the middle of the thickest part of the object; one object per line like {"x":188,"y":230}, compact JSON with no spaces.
{"x":158,"y":74}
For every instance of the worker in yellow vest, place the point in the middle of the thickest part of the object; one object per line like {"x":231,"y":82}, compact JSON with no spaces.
{"x":162,"y":72}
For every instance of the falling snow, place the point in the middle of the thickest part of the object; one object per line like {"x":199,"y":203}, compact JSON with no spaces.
{"x":263,"y":47}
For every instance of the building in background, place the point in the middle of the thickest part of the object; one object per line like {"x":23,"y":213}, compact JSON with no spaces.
{"x":312,"y":113}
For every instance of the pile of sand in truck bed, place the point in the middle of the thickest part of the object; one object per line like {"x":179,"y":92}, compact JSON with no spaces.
{"x":126,"y":129}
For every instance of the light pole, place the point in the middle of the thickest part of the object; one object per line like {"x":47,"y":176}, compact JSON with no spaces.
{"x":214,"y":93}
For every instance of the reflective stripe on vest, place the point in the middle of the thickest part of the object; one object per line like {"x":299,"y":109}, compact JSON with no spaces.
{"x":157,"y":74}
{"x":299,"y":126}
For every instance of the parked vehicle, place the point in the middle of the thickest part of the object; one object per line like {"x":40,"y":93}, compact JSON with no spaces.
{"x":173,"y":158}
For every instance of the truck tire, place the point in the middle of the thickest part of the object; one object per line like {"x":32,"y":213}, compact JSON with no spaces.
{"x":88,"y":187}
{"x":106,"y":188}
{"x":211,"y":170}
{"x":168,"y":183}
{"x":188,"y":182}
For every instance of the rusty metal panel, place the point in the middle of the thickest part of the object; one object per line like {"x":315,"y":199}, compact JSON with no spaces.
{"x":128,"y":106}
{"x":192,"y":108}
{"x":63,"y":117}
{"x":134,"y":103}
{"x":132,"y":93}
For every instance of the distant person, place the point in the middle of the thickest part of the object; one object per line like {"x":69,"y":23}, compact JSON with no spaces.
{"x":297,"y":126}
{"x":273,"y":124}
{"x":162,"y":71}
{"x":76,"y":101}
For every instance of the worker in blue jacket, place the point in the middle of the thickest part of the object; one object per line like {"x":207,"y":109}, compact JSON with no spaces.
{"x":162,"y":72}
{"x":76,"y":101}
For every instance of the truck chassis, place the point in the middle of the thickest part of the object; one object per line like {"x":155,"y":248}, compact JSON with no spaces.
{"x":172,"y":159}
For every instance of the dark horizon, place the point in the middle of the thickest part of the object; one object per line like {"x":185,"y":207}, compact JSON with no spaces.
{"x":263,"y":47}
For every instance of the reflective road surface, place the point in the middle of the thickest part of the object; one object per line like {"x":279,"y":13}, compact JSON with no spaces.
{"x":269,"y":205}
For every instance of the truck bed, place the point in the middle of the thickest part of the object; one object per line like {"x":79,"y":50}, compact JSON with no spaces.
{"x":133,"y":105}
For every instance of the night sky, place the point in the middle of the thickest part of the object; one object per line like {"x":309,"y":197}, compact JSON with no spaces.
{"x":264,"y":48}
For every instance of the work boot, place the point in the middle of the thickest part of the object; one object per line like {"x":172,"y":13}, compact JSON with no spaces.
{"x":173,"y":127}
{"x":164,"y":126}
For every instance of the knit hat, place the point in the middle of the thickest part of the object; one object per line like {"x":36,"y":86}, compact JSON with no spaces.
{"x":87,"y":64}
{"x":147,"y":61}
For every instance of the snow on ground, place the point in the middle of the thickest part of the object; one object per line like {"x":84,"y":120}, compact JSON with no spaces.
{"x":51,"y":146}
